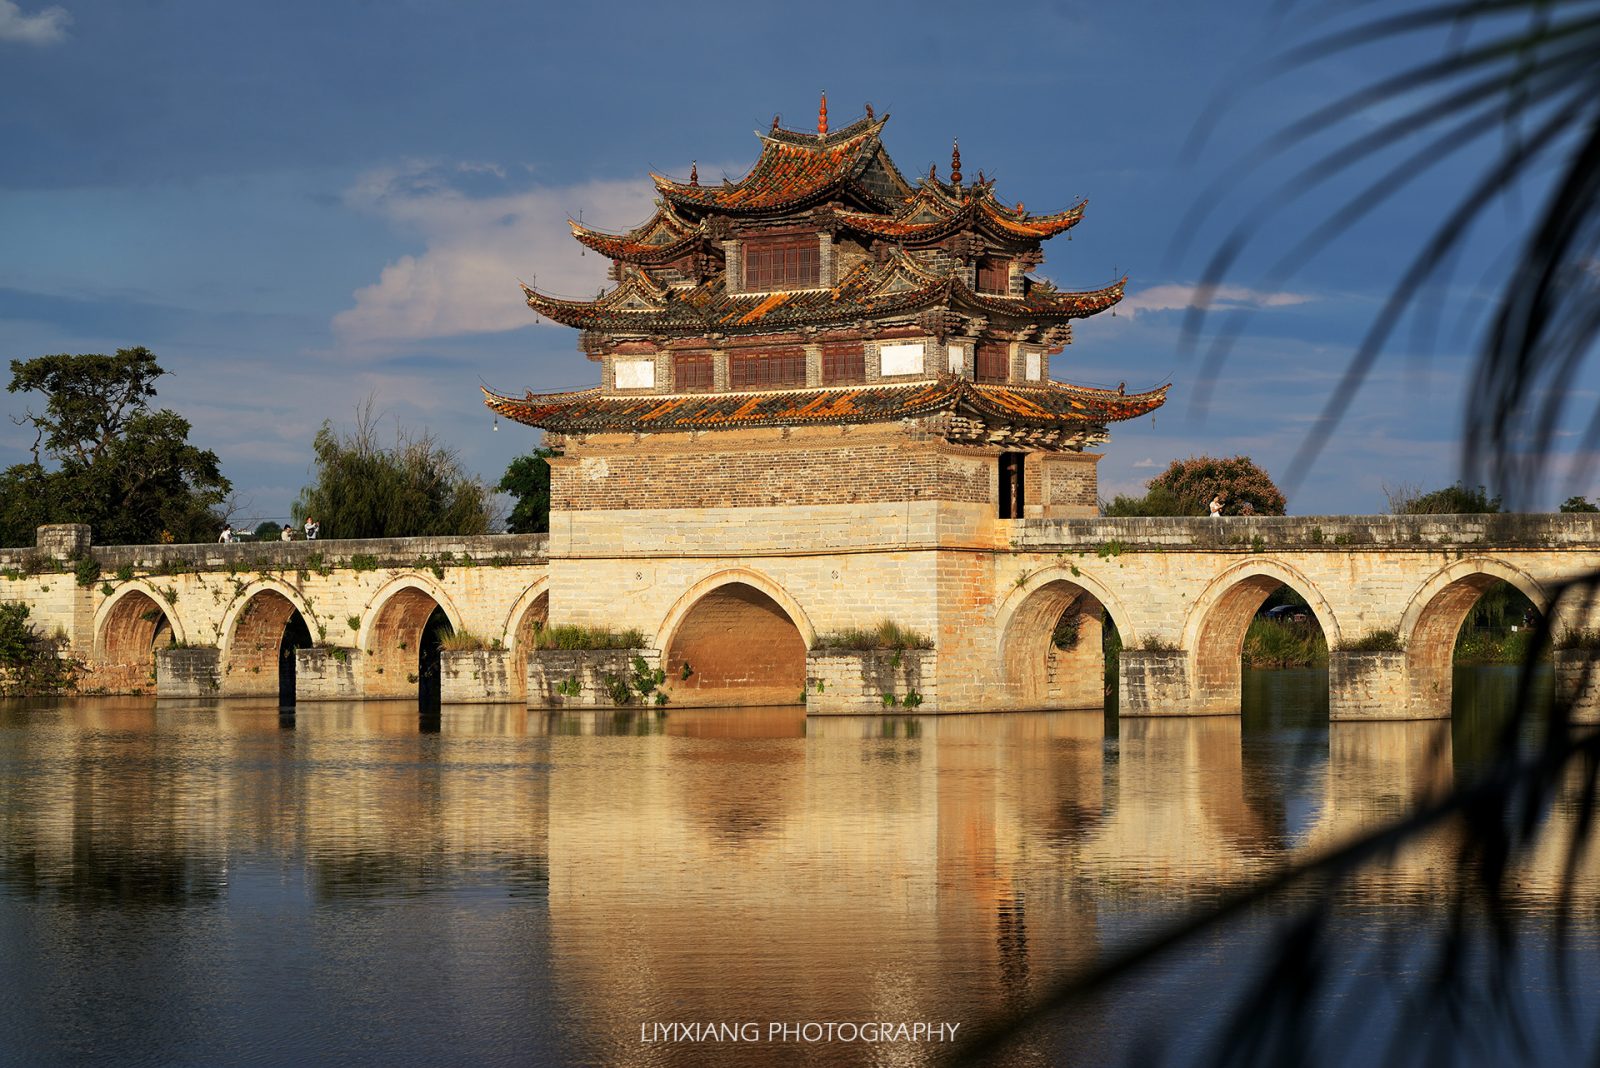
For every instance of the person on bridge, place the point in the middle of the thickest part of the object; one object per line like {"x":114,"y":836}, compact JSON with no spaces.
{"x":1216,"y":507}
{"x":226,"y":535}
{"x":287,"y":533}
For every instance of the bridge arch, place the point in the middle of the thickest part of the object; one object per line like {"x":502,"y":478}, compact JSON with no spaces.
{"x":744,"y":638}
{"x":1035,"y":672}
{"x":531,"y":610}
{"x":1214,"y":631}
{"x":129,"y":627}
{"x":261,"y":630}
{"x":1433,"y":618}
{"x":401,"y":628}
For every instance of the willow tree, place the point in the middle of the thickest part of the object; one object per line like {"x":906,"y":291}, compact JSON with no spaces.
{"x":412,"y":486}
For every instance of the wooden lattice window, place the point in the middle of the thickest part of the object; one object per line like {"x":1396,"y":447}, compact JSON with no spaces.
{"x":844,"y":363}
{"x":693,"y":374}
{"x":782,"y":263}
{"x":778,"y":367}
{"x":994,"y":275}
{"x":994,"y":362}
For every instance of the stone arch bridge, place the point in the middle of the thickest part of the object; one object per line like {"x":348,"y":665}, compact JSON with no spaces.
{"x":752,"y":615}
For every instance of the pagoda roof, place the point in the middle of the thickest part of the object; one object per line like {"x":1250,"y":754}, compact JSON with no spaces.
{"x":938,"y":210}
{"x":662,"y":239}
{"x":899,"y":285}
{"x":1050,"y":406}
{"x":797,"y":170}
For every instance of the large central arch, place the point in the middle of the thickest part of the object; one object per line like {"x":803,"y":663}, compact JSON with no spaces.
{"x":1042,"y":669}
{"x":743,"y":640}
{"x":400,"y":635}
{"x":1215,"y":631}
{"x":129,"y":628}
{"x":260,"y":634}
{"x":1434,"y":617}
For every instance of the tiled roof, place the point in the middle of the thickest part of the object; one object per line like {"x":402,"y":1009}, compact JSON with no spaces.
{"x":794,"y":171}
{"x":664,"y":238}
{"x":939,"y":210}
{"x":870,"y":290}
{"x":1050,"y":405}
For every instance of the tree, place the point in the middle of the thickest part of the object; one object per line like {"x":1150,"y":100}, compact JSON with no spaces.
{"x":127,"y":471}
{"x":413,"y":488}
{"x":1579,"y":504}
{"x":1187,"y":486}
{"x":528,"y":480}
{"x":1458,"y":499}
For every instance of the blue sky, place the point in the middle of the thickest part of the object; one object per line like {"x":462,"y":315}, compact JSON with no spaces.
{"x":297,"y":205}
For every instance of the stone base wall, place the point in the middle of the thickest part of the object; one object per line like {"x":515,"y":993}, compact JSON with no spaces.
{"x":328,"y":674}
{"x":1577,"y":681}
{"x":859,"y":683}
{"x":1373,"y":685}
{"x":477,"y":677}
{"x":1153,"y":683}
{"x":187,"y":672}
{"x":587,"y":669}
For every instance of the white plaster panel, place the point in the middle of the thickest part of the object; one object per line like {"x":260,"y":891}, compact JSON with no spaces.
{"x":901,"y":359}
{"x":635,"y":374}
{"x":957,"y":357}
{"x":1033,"y":369}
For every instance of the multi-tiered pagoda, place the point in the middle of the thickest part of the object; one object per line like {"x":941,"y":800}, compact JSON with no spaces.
{"x":824,"y":293}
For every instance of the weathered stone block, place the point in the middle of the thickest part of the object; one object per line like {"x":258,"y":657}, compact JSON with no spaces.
{"x":475,"y":677}
{"x":591,"y":673}
{"x":1154,"y":683}
{"x":329,"y":674}
{"x":187,"y":672}
{"x":64,"y":541}
{"x":855,"y":682}
{"x":1374,"y":685}
{"x":1577,"y":682}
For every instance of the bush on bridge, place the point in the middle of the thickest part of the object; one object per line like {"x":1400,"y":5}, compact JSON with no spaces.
{"x":1187,"y":486}
{"x":31,"y":663}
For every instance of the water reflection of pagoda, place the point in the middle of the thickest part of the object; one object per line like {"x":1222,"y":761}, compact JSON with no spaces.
{"x":824,"y":289}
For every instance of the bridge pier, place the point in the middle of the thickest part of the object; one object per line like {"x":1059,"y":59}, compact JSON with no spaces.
{"x":1155,"y":682}
{"x":1376,"y":685}
{"x":188,"y":671}
{"x":1577,"y":673}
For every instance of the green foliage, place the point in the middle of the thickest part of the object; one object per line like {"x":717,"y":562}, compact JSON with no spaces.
{"x":125,"y":572}
{"x":87,"y":570}
{"x":29,"y":662}
{"x":1458,"y":499}
{"x":415,"y":487}
{"x":268,"y":531}
{"x":912,"y":699}
{"x":1579,"y":504}
{"x":1584,"y":639}
{"x":1269,"y":643}
{"x":353,"y":622}
{"x":1379,"y":641}
{"x":527,"y":480}
{"x":569,"y":688}
{"x":364,"y":562}
{"x":463,"y":641}
{"x":887,"y":635}
{"x":101,"y":456}
{"x":1114,"y":547}
{"x":571,"y":637}
{"x":1187,"y":486}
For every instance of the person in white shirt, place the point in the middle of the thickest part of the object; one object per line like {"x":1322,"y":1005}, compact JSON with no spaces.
{"x":226,"y":535}
{"x":1216,"y":507}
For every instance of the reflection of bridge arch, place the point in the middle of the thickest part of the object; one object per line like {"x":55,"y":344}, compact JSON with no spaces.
{"x":531,"y":610}
{"x":1034,"y":671}
{"x":744,"y":638}
{"x":1215,"y":629}
{"x":399,"y":635}
{"x":262,"y":628}
{"x":1433,"y":619}
{"x":128,"y":628}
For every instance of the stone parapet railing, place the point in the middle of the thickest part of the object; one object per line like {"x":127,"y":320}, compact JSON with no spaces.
{"x":1331,"y":533}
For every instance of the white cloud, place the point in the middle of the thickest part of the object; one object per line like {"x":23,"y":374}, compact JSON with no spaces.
{"x":47,"y":27}
{"x":476,"y":248}
{"x":1147,"y":462}
{"x":1180,"y":297}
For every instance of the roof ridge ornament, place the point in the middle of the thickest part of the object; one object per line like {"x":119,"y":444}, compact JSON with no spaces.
{"x":694,"y":172}
{"x":822,"y":116}
{"x":870,"y":115}
{"x":955,"y":161}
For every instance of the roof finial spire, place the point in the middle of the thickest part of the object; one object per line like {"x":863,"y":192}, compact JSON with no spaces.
{"x":822,"y":115}
{"x":933,"y":172}
{"x":775,"y":120}
{"x":694,"y":172}
{"x":870,"y":115}
{"x":955,"y":161}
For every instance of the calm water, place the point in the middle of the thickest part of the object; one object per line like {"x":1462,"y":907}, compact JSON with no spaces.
{"x":213,"y":885}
